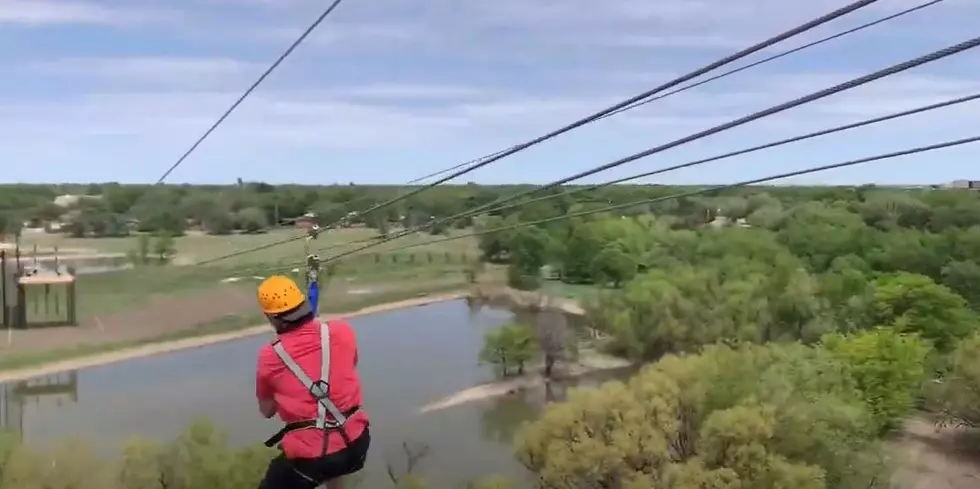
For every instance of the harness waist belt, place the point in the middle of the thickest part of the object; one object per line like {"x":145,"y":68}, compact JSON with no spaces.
{"x":310,"y":423}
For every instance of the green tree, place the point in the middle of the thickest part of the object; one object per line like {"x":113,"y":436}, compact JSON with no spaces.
{"x":509,"y":348}
{"x":218,"y":221}
{"x":759,"y":417}
{"x":959,"y":392}
{"x":164,"y":248}
{"x":915,"y":304}
{"x":963,"y":277}
{"x":888,"y":368}
{"x":252,"y":220}
{"x":46,"y":212}
{"x":140,"y":256}
{"x":10,"y":226}
{"x":613,"y":265}
{"x":494,"y":245}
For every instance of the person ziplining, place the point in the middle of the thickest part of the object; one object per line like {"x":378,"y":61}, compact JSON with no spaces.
{"x":326,"y":433}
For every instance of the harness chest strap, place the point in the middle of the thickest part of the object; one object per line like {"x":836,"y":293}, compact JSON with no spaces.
{"x":319,"y":389}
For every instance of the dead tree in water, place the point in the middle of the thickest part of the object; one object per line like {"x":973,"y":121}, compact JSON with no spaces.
{"x":551,"y":329}
{"x":413,"y":456}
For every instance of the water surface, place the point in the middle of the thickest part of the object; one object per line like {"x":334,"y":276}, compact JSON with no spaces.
{"x":409,"y":358}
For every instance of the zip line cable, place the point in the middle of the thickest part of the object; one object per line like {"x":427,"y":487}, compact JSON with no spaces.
{"x":738,"y":122}
{"x":673,"y":92}
{"x":717,"y":77}
{"x":869,"y":159}
{"x":822,"y":132}
{"x":484,"y":161}
{"x":898,"y":68}
{"x":592,"y":118}
{"x":460,"y":165}
{"x":693,"y":193}
{"x":292,"y":47}
{"x":780,"y":55}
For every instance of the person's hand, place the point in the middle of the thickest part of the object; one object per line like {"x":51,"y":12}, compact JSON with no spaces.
{"x":312,"y":267}
{"x":313,"y":231}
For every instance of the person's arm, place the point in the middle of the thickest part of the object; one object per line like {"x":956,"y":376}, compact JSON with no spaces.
{"x":268,"y":407}
{"x":265,"y":393}
{"x":313,"y":296}
{"x":313,"y":279}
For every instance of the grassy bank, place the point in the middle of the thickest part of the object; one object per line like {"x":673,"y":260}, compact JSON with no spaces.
{"x":225,"y":324}
{"x":196,"y":247}
{"x":117,"y":292}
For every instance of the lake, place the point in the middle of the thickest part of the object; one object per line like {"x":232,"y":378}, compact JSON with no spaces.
{"x":409,"y":358}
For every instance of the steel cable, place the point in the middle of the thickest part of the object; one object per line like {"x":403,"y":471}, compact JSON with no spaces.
{"x":292,"y":47}
{"x":636,"y":98}
{"x":717,"y":77}
{"x":817,"y":169}
{"x":822,"y":132}
{"x":693,"y":193}
{"x":486,"y":160}
{"x":898,"y":68}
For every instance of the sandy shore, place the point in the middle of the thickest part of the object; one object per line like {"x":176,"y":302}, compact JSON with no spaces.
{"x":200,"y":341}
{"x":590,"y":363}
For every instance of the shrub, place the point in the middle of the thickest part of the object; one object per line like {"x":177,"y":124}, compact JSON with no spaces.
{"x":198,"y":459}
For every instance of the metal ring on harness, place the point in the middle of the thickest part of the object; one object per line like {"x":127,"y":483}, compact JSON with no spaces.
{"x":320,"y":390}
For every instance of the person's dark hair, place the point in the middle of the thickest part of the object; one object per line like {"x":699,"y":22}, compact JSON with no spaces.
{"x":291,"y":319}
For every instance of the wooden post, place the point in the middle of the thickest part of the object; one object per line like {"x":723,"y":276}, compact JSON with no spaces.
{"x":70,"y":300}
{"x":3,"y":288}
{"x":72,"y":312}
{"x":20,"y":309}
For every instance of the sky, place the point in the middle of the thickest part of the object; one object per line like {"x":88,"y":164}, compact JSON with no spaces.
{"x":386,"y":91}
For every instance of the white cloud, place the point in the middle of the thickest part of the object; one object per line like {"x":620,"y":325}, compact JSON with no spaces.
{"x":152,"y":70}
{"x":44,"y":12}
{"x":405,"y":91}
{"x":679,"y":41}
{"x":346,"y":117}
{"x":444,"y":72}
{"x":343,"y":34}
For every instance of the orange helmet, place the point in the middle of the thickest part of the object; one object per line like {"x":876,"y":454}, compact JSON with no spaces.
{"x":278,"y":294}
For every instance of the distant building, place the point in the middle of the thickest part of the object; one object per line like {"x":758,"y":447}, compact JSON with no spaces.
{"x":306,"y":221}
{"x":973,"y":184}
{"x":68,"y":200}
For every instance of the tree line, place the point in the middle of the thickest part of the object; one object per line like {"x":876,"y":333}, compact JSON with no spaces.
{"x":785,"y":334}
{"x":785,"y":338}
{"x":113,"y":209}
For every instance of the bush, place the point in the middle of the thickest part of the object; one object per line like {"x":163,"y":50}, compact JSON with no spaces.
{"x":959,"y":393}
{"x":198,"y":459}
{"x":747,"y":416}
{"x":888,"y":368}
{"x":509,"y":348}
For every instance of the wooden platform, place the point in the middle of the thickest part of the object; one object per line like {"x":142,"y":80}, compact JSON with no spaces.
{"x":46,"y":280}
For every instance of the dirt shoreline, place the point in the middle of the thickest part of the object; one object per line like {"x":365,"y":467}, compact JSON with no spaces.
{"x":590,"y":363}
{"x":157,"y":348}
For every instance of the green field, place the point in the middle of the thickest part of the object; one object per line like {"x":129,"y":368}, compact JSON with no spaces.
{"x":196,"y":247}
{"x":118,"y":291}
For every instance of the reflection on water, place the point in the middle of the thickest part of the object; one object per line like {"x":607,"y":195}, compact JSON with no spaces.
{"x":409,"y":358}
{"x":15,"y":397}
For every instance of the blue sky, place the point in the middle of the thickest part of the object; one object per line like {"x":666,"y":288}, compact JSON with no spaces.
{"x":386,"y":91}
